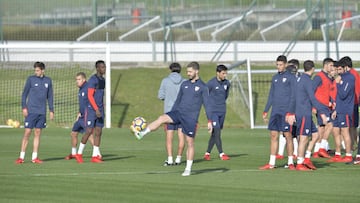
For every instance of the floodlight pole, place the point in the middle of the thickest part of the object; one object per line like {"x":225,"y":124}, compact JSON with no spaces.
{"x":327,"y":14}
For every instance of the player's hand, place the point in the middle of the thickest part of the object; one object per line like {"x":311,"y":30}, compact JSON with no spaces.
{"x":333,"y":115}
{"x":51,"y":115}
{"x":338,"y":79}
{"x":290,"y":119}
{"x":264,"y":116}
{"x":210,"y":127}
{"x":98,"y":113}
{"x":25,"y":112}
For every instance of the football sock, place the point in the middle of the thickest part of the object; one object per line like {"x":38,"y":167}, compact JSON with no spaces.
{"x":73,"y":150}
{"x":296,"y":144}
{"x":338,"y":153}
{"x":34,"y":155}
{"x":146,"y":131}
{"x":282,"y":143}
{"x":170,"y":160}
{"x":307,"y":154}
{"x":22,"y":155}
{"x":81,"y":148}
{"x":300,"y":160}
{"x":178,"y":159}
{"x":188,"y":165}
{"x":272,"y":160}
{"x":323,"y":144}
{"x":290,"y":160}
{"x":96,"y":151}
{"x":222,"y":153}
{"x":317,"y":147}
{"x":348,"y":154}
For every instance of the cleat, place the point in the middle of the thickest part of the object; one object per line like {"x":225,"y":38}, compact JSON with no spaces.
{"x":267,"y":167}
{"x":207,"y":157}
{"x":37,"y":161}
{"x":225,"y":157}
{"x":136,"y":133}
{"x":316,"y":155}
{"x":302,"y":167}
{"x":19,"y":161}
{"x":336,"y":158}
{"x":291,"y":167}
{"x":356,"y":161}
{"x":167,"y":163}
{"x":96,"y":159}
{"x":70,"y":156}
{"x":177,"y":163}
{"x":278,"y":156}
{"x":347,"y":159}
{"x":79,"y":158}
{"x":186,"y":173}
{"x":323,"y":153}
{"x":309,"y":164}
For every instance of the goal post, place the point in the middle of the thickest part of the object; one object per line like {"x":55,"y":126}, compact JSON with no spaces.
{"x":16,"y":66}
{"x":249,"y":92}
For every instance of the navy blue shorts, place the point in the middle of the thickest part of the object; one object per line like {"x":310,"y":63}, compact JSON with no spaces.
{"x":79,"y":125}
{"x":92,"y":121}
{"x":325,"y":110}
{"x":342,"y":120}
{"x":277,"y":123}
{"x":189,"y":125}
{"x":218,"y":120}
{"x":35,"y":121}
{"x":171,"y":126}
{"x":305,"y":125}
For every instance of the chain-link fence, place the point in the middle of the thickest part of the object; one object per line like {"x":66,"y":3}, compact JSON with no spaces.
{"x":179,"y":20}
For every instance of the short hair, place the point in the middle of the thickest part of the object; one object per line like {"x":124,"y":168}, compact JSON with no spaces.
{"x":40,"y":65}
{"x":175,"y":67}
{"x":82,"y":74}
{"x":294,"y":62}
{"x":221,"y":67}
{"x":99,"y":62}
{"x":327,"y":61}
{"x":195,"y":65}
{"x":346,"y":61}
{"x":291,"y":68}
{"x":282,"y":58}
{"x":308,"y":65}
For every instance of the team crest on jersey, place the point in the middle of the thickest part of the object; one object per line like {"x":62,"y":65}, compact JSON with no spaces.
{"x":46,"y":85}
{"x":82,"y":93}
{"x":284,"y":79}
{"x":197,"y":88}
{"x":36,"y":84}
{"x":225,"y":87}
{"x":186,"y":87}
{"x":216,"y":87}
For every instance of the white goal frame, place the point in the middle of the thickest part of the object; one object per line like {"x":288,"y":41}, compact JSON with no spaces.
{"x":106,"y":47}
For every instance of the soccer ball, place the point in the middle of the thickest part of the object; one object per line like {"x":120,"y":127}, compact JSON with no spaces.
{"x":139,"y":123}
{"x":9,"y":122}
{"x":16,"y":124}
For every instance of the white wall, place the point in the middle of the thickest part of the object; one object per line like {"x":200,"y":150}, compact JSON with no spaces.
{"x":185,"y":51}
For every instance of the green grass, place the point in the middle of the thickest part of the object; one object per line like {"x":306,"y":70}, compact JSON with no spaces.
{"x":133,"y":172}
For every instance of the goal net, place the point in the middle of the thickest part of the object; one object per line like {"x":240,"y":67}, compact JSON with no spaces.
{"x":62,"y":63}
{"x":249,"y":92}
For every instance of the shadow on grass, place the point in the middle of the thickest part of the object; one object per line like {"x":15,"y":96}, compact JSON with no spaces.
{"x":106,"y":157}
{"x":216,"y":156}
{"x":210,"y":170}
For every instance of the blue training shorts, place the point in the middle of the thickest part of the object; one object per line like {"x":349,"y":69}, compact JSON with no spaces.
{"x":277,"y":123}
{"x":189,"y":125}
{"x":93,"y":121}
{"x":305,"y":125}
{"x":35,"y":121}
{"x":342,"y":120}
{"x":79,"y":125}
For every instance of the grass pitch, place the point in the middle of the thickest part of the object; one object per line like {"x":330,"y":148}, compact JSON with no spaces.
{"x":133,"y":171}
